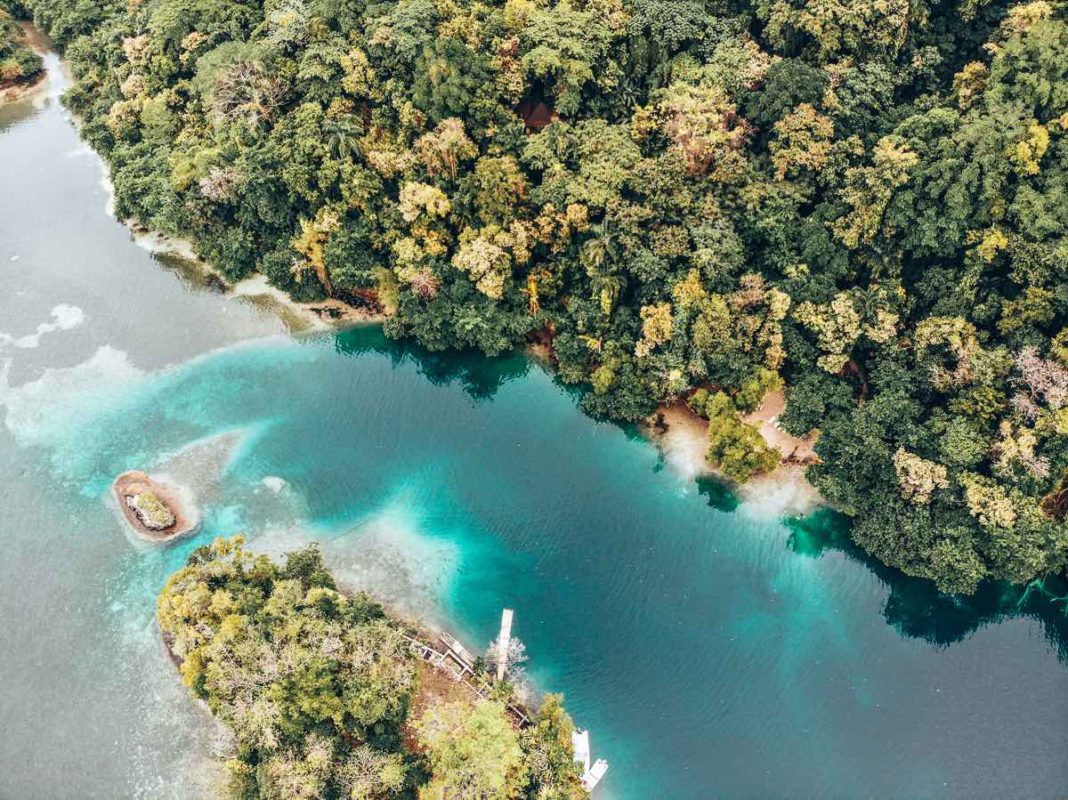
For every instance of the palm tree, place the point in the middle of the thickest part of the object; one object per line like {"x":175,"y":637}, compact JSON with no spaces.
{"x":608,"y":286}
{"x":533,"y":304}
{"x":592,"y":342}
{"x":342,"y":134}
{"x":601,"y":256}
{"x":604,"y":249}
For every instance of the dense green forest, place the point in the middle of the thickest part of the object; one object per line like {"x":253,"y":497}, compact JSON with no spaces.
{"x":319,"y":690}
{"x":866,"y":200}
{"x":18,"y":63}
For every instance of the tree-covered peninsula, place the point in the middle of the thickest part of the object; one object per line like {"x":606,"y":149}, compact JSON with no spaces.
{"x":325,"y":697}
{"x":866,"y":201}
{"x":18,"y":63}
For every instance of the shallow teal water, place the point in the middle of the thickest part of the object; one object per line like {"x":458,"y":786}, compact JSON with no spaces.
{"x":713,"y":650}
{"x":708,"y":655}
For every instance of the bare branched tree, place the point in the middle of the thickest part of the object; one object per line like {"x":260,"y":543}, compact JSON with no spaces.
{"x":425,"y":284}
{"x":514,"y":670}
{"x":244,"y":90}
{"x":1044,"y":379}
{"x":220,"y":184}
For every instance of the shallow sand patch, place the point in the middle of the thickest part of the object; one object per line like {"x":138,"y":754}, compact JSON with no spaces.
{"x":328,"y":313}
{"x":24,"y":91}
{"x":64,"y":318}
{"x":784,"y":492}
{"x":682,"y":437}
{"x":323,"y":315}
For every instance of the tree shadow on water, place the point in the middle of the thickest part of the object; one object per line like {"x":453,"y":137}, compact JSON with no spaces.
{"x":916,"y":609}
{"x":718,"y":494}
{"x":479,"y":375}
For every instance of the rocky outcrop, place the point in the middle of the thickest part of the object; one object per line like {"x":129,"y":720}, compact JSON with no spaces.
{"x":152,"y":511}
{"x":155,"y":510}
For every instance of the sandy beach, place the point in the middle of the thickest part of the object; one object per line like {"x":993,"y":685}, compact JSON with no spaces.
{"x":321,"y":315}
{"x":22,"y":91}
{"x":783,"y":491}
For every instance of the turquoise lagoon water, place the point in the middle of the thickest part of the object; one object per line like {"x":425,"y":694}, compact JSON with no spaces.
{"x":713,"y":649}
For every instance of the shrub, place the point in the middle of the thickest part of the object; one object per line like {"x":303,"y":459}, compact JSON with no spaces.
{"x":735,"y":447}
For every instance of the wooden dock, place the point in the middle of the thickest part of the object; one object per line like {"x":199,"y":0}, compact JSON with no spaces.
{"x":454,"y":659}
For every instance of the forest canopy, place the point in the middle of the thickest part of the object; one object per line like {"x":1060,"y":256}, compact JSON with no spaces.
{"x":867,"y":200}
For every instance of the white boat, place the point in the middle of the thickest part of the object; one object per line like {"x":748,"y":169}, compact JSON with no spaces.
{"x":593,"y":777}
{"x":591,"y":773}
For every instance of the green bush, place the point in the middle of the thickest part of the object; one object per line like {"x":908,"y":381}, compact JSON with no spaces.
{"x":734,"y":447}
{"x":755,"y":388}
{"x":17,"y":61}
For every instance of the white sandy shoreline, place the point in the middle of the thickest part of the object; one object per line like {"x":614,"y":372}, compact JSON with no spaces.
{"x":785,"y":491}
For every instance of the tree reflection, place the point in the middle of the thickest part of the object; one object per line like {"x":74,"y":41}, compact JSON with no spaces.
{"x":480,"y":376}
{"x":718,"y":493}
{"x":915,"y":608}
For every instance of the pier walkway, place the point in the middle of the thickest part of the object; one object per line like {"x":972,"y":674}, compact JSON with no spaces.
{"x":455,"y":659}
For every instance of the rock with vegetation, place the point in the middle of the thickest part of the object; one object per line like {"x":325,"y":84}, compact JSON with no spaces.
{"x":155,"y":510}
{"x":317,"y":687}
{"x":865,"y":199}
{"x":152,"y":511}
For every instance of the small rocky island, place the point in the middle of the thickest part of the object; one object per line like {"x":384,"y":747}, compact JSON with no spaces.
{"x":156,"y":511}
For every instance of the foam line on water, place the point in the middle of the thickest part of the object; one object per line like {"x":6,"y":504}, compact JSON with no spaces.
{"x":64,"y":318}
{"x":106,"y":414}
{"x":34,"y":410}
